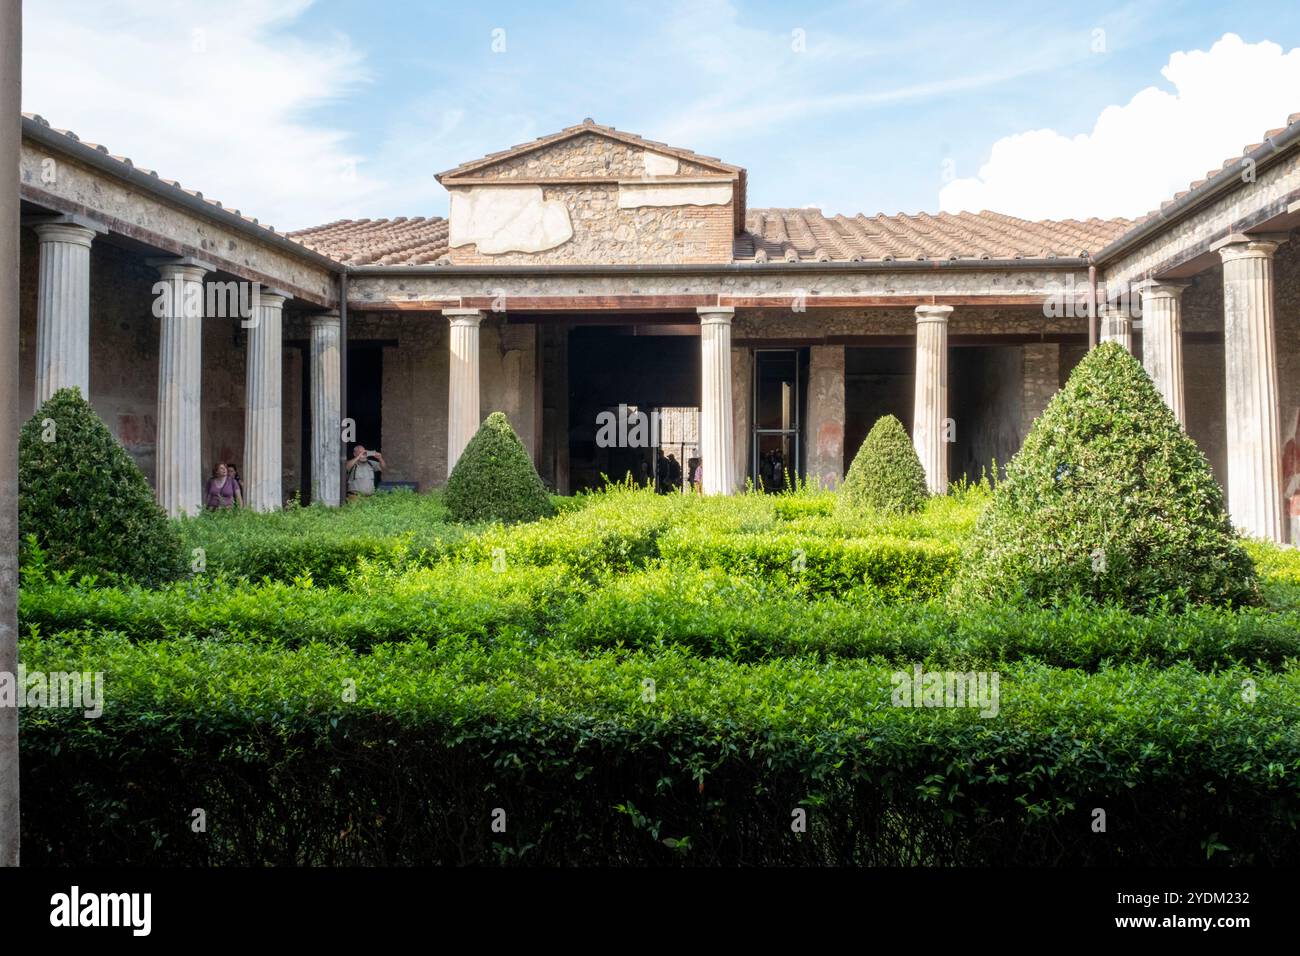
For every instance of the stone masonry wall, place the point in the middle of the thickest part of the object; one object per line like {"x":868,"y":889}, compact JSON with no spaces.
{"x":604,"y":233}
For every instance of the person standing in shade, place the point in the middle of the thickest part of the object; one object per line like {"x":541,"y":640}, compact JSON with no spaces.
{"x":362,"y":469}
{"x":222,"y":490}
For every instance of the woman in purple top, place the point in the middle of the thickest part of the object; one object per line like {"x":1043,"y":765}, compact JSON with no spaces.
{"x":223,"y":490}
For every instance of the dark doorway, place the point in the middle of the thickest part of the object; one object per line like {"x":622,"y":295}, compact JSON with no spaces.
{"x":779,"y":406}
{"x":366,"y":392}
{"x":645,"y":369}
{"x":877,"y":382}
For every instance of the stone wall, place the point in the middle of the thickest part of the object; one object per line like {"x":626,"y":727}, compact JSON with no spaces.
{"x":824,"y":432}
{"x":591,"y":199}
{"x":602,"y":232}
{"x":1041,"y":378}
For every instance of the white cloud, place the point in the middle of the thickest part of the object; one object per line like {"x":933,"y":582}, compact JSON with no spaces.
{"x":1141,"y":153}
{"x":213,"y":95}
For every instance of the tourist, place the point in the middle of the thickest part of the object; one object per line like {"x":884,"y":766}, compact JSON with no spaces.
{"x":697,"y":476}
{"x":222,"y":490}
{"x":233,"y":470}
{"x":674,"y":473}
{"x":362,"y":471}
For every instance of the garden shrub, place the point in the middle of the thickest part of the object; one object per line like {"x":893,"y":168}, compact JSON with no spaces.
{"x":494,"y":479}
{"x":85,"y":503}
{"x":592,"y":770}
{"x":1108,"y":498}
{"x":886,"y":474}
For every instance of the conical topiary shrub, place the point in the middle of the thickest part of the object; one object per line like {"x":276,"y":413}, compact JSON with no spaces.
{"x":495,"y":480}
{"x":886,"y":475}
{"x":1108,"y":499}
{"x":86,"y":503}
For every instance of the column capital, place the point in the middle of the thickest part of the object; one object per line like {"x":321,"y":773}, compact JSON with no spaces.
{"x":271,"y":298}
{"x":464,"y":317}
{"x":715,"y":314}
{"x":1241,"y":246}
{"x":170,"y":267}
{"x":1161,"y":288}
{"x":933,"y":313}
{"x":325,"y":320}
{"x":65,"y":231}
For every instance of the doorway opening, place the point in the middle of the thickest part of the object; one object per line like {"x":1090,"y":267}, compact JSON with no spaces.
{"x":779,"y":406}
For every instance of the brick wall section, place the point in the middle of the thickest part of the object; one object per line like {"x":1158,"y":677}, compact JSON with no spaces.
{"x":1041,"y":378}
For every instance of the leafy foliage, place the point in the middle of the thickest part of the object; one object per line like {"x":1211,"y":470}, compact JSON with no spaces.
{"x":494,"y":479}
{"x":886,"y":474}
{"x":1110,"y":499}
{"x":561,"y":740}
{"x":84,"y":502}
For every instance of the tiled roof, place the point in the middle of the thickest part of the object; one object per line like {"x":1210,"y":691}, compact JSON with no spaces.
{"x":586,"y":126}
{"x":772,"y":235}
{"x":409,"y":242}
{"x":1231,"y":167}
{"x":805,"y":235}
{"x":126,"y":163}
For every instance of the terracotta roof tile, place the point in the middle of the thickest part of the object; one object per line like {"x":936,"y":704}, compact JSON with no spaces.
{"x":401,"y":241}
{"x":806,"y":235}
{"x":1231,"y":165}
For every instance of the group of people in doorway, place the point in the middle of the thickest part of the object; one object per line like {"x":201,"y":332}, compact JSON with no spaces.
{"x":668,"y":473}
{"x":224,"y":491}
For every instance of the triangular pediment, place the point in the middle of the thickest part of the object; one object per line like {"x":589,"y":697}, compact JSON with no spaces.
{"x":590,"y":152}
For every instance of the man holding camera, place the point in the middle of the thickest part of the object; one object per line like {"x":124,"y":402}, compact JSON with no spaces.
{"x":363,"y":466}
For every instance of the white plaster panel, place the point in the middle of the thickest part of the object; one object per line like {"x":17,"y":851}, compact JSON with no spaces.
{"x":634,"y":195}
{"x":507,"y":219}
{"x":656,"y":164}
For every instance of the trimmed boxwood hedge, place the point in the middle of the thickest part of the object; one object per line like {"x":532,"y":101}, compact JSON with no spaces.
{"x":590,"y":768}
{"x":84,"y":501}
{"x":494,"y":479}
{"x":886,"y":475}
{"x":1108,"y":498}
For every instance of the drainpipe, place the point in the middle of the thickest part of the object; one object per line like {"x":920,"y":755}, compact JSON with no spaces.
{"x":1092,"y":307}
{"x":343,"y":383}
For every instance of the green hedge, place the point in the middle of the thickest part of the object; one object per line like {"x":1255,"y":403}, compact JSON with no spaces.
{"x":397,"y":529}
{"x":423,"y":604}
{"x":589,"y":768}
{"x":898,"y":569}
{"x":709,"y":611}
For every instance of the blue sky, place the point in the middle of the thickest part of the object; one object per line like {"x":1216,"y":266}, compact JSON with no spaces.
{"x":306,"y":112}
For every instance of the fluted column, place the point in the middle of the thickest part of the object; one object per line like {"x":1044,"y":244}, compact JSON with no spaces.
{"x":462,"y":382}
{"x":931,"y":396}
{"x":1162,"y":342}
{"x":1250,"y":360}
{"x":1117,"y":326}
{"x":179,"y":306}
{"x":326,"y":409}
{"x":63,"y":309}
{"x":717,"y":425}
{"x":263,"y":477}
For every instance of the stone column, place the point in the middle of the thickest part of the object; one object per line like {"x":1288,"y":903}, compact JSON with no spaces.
{"x":1117,"y":326}
{"x":1250,"y":360}
{"x":63,"y":309}
{"x":1162,"y":342}
{"x":931,"y":403}
{"x":717,"y":424}
{"x":825,"y":431}
{"x":179,"y":304}
{"x":263,"y":474}
{"x":463,"y":416}
{"x":326,"y":409}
